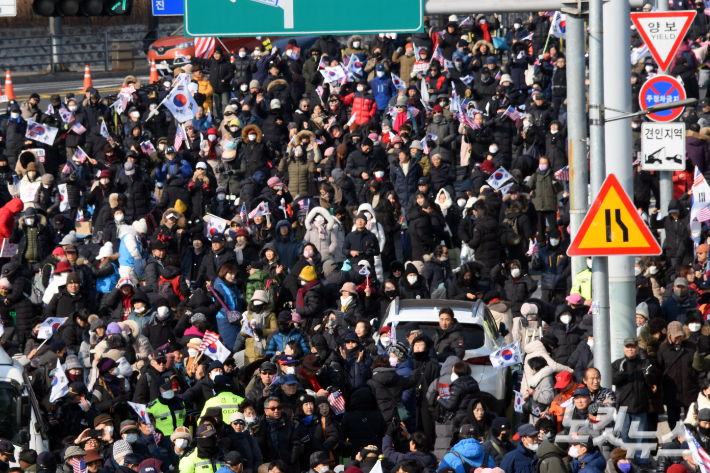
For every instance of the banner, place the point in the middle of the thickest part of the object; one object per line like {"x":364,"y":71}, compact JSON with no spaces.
{"x":29,"y":191}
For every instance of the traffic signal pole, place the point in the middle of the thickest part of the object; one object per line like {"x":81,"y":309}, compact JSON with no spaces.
{"x":666,"y":177}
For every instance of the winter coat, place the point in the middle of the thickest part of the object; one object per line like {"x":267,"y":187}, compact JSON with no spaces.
{"x":461,"y":392}
{"x":7,"y":217}
{"x":680,"y":380}
{"x":633,"y":379}
{"x":517,"y":291}
{"x":322,"y":432}
{"x":38,"y":236}
{"x":555,"y":266}
{"x":138,"y":189}
{"x":255,"y":153}
{"x":520,"y":460}
{"x":449,"y":342}
{"x":18,"y":302}
{"x":533,"y":349}
{"x":545,"y":196}
{"x":472,"y":453}
{"x":364,"y":106}
{"x":289,"y":445}
{"x":231,"y":297}
{"x":405,"y":185}
{"x":388,"y":387}
{"x":65,"y":303}
{"x":221,"y":72}
{"x":299,"y":170}
{"x":568,"y":337}
{"x":675,"y":309}
{"x":278,"y":341}
{"x":424,"y":240}
{"x":13,"y":133}
{"x":333,"y":239}
{"x":487,"y":242}
{"x":362,"y":424}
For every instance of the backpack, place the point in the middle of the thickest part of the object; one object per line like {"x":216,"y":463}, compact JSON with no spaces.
{"x":512,"y":235}
{"x":169,"y":287}
{"x":466,"y":466}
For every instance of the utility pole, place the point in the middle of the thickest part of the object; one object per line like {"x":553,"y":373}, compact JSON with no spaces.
{"x":665,"y":177}
{"x":600,"y":264}
{"x":619,"y":150}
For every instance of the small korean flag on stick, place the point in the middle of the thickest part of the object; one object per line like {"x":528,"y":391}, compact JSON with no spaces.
{"x":518,"y":406}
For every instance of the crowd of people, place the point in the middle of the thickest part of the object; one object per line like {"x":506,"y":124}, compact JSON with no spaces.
{"x":260,"y":347}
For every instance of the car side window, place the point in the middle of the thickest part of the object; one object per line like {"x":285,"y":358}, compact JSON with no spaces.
{"x":490,"y":323}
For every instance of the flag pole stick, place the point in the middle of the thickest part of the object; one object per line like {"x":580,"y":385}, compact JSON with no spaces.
{"x":45,"y":341}
{"x":546,"y":42}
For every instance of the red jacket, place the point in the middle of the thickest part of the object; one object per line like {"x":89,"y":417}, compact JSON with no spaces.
{"x":7,"y":216}
{"x":682,"y":182}
{"x":364,"y":106}
{"x":438,"y":85}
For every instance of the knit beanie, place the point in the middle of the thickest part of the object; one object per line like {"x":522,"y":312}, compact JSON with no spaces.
{"x":400,"y":351}
{"x":121,"y":448}
{"x":47,"y":179}
{"x":308,"y":273}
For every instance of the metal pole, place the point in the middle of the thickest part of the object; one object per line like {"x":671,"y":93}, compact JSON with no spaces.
{"x":619,"y":149}
{"x":666,"y":177}
{"x":577,"y":130}
{"x":600,"y":266}
{"x":55,"y":31}
{"x":106,"y":66}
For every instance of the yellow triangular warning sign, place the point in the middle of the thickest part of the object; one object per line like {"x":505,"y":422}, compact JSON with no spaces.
{"x":613,"y":227}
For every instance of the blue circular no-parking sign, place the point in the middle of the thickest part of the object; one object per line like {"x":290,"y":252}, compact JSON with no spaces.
{"x":659,"y":90}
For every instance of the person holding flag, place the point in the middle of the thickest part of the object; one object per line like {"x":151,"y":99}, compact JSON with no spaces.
{"x":382,"y":89}
{"x":406,"y":59}
{"x":76,"y":414}
{"x":74,"y":139}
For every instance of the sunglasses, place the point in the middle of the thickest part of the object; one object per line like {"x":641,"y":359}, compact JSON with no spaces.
{"x":273,"y":408}
{"x":189,"y":128}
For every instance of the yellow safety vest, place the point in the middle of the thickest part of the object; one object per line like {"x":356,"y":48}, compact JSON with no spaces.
{"x":227,"y":401}
{"x":164,"y":417}
{"x":193,"y":464}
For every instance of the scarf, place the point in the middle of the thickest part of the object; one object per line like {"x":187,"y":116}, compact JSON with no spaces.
{"x":212,"y":150}
{"x":313,"y":381}
{"x":207,"y":447}
{"x":126,"y":305}
{"x":307,"y":420}
{"x":486,"y":33}
{"x":302,"y":292}
{"x":399,"y":120}
{"x":321,"y":229}
{"x":238,"y":247}
{"x":369,"y":223}
{"x":345,"y":303}
{"x":271,"y":424}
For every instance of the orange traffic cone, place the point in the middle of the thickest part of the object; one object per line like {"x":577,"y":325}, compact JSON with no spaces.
{"x":87,"y":78}
{"x":154,"y":79}
{"x":9,"y":92}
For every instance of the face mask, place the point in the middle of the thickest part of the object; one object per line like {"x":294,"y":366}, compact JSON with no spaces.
{"x":135,"y":116}
{"x":516,"y":25}
{"x":461,"y":202}
{"x":31,"y":174}
{"x":167,"y":85}
{"x":29,"y":221}
{"x":554,"y":132}
{"x":252,"y":137}
{"x":110,"y":431}
{"x":482,"y":22}
{"x":242,"y":54}
{"x":680,"y":292}
{"x":122,"y":461}
{"x":385,"y":341}
{"x":169,"y":394}
{"x":589,"y":264}
{"x":131,"y":438}
{"x":221,"y":197}
{"x":391,"y":293}
{"x":565,"y":319}
{"x":360,"y":88}
{"x":515,"y":273}
{"x":290,"y":370}
{"x":653,"y":270}
{"x":246,"y":114}
{"x":526,"y":124}
{"x":153,"y":106}
{"x":493,"y":149}
{"x":573,"y":452}
{"x":649,"y":68}
{"x":393,"y":362}
{"x":182,"y":443}
{"x":192,"y":353}
{"x":624,"y":467}
{"x":118,"y":217}
{"x":694,"y":327}
{"x":590,"y":342}
{"x":319,"y":218}
{"x":214,"y":374}
{"x":73,"y":108}
{"x":284,"y":328}
{"x":45,"y":186}
{"x":380,"y":73}
{"x":163,"y":311}
{"x":454,"y":377}
{"x":637,"y":271}
{"x":554,"y":241}
{"x":356,"y":44}
{"x":250,"y":420}
{"x":412,"y":279}
{"x":15,"y":116}
{"x":212,"y":137}
{"x":533,"y":447}
{"x":543,"y":167}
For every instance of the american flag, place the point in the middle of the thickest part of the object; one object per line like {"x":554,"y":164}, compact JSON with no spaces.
{"x":243,"y":214}
{"x":147,"y":147}
{"x":80,"y":155}
{"x":700,"y":456}
{"x":467,"y":121}
{"x":66,"y":169}
{"x":533,"y":248}
{"x":699,"y":178}
{"x":179,"y":138}
{"x":512,"y":113}
{"x":468,"y":21}
{"x":337,"y":402}
{"x":563,"y":174}
{"x":78,"y":128}
{"x":78,"y":465}
{"x":703,"y":214}
{"x":204,"y":47}
{"x":322,"y":64}
{"x":438,"y":55}
{"x":425,"y":145}
{"x":207,"y":340}
{"x":499,"y":75}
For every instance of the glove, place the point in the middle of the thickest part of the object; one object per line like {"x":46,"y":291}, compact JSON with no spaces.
{"x":206,"y":186}
{"x":191,"y":185}
{"x":369,"y":252}
{"x":392,"y":430}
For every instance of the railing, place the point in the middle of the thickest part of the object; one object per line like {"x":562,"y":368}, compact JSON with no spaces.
{"x":59,"y":52}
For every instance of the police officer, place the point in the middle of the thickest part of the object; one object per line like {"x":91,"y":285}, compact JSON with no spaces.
{"x":224,"y":398}
{"x":207,"y":457}
{"x":77,"y":414}
{"x":168,"y":410}
{"x":7,"y":455}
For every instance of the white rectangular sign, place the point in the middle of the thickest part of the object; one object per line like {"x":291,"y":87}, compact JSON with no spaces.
{"x":8,"y":7}
{"x":662,"y":146}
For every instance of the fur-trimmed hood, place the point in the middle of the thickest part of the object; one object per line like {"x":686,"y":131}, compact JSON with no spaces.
{"x":700,"y":136}
{"x":311,"y":139}
{"x":182,"y":222}
{"x":276,"y":82}
{"x":134,"y":79}
{"x":330,"y":221}
{"x":367,"y":208}
{"x":353,"y":38}
{"x":247,"y":129}
{"x":447,"y":204}
{"x":540,"y":375}
{"x":113,"y":200}
{"x":480,"y":43}
{"x":41,"y":221}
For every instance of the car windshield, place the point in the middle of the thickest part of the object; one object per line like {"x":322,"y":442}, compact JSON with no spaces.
{"x":9,"y":425}
{"x":473,"y":335}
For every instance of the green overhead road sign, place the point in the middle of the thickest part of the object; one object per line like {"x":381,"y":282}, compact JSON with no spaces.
{"x":301,"y":17}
